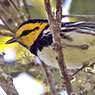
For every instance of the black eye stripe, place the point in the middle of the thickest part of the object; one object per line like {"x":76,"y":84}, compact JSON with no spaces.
{"x":25,"y":32}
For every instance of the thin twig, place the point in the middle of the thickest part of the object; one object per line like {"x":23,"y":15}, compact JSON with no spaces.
{"x":79,"y":16}
{"x":3,"y":32}
{"x":59,"y":10}
{"x":18,"y":3}
{"x":48,"y":9}
{"x":50,"y":78}
{"x":6,"y":25}
{"x":6,"y":34}
{"x":26,"y":8}
{"x":85,"y":65}
{"x":16,"y":8}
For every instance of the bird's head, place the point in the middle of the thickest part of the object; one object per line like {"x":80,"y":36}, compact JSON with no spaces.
{"x":28,"y":32}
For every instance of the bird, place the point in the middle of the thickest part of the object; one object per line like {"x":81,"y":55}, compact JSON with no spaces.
{"x":77,"y":39}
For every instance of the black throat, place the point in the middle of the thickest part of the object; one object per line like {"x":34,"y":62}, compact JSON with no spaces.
{"x":42,"y":41}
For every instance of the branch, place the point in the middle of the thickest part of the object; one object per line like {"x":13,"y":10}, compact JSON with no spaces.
{"x":79,"y":16}
{"x":59,"y":10}
{"x":17,"y":9}
{"x":48,"y":10}
{"x":6,"y":34}
{"x":49,"y":77}
{"x":3,"y":32}
{"x":26,"y":8}
{"x":5,"y":80}
{"x":55,"y":28}
{"x":6,"y":25}
{"x":60,"y":57}
{"x":18,"y":3}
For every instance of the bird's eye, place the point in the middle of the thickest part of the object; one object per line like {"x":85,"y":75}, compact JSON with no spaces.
{"x":25,"y":32}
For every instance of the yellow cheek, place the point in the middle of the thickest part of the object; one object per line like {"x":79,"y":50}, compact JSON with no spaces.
{"x":27,"y":40}
{"x":29,"y":26}
{"x":30,"y":38}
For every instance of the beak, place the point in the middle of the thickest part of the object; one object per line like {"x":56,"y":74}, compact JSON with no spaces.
{"x":11,"y":40}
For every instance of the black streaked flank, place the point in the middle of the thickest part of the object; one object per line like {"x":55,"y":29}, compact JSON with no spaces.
{"x":68,"y":30}
{"x":78,"y":24}
{"x":66,"y":37}
{"x":25,"y":32}
{"x":45,"y":40}
{"x":40,"y":43}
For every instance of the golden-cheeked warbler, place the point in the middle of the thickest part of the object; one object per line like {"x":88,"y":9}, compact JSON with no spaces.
{"x":77,"y":38}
